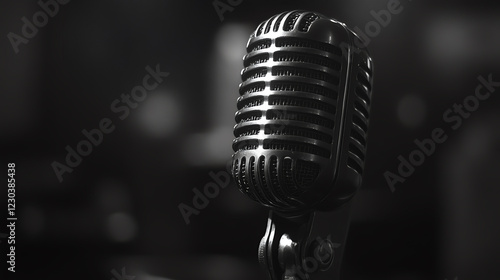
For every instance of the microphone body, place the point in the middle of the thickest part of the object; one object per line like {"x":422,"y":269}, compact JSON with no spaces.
{"x":303,"y":114}
{"x":300,"y":137}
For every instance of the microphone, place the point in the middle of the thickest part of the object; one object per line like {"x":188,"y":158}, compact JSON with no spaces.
{"x":303,"y":114}
{"x":301,"y":126}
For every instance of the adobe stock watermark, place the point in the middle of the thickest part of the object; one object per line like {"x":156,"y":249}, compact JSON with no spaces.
{"x":223,"y":6}
{"x":122,"y":276}
{"x":40,"y":19}
{"x":454,"y":116}
{"x":221,"y":179}
{"x":382,"y":18}
{"x":211,"y":190}
{"x":373,"y":28}
{"x":121,"y":106}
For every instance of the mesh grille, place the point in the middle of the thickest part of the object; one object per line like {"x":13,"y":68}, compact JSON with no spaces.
{"x":287,"y":175}
{"x":268,"y":25}
{"x":295,"y":147}
{"x":253,"y":87}
{"x":250,"y":102}
{"x":235,"y":173}
{"x":287,"y":180}
{"x":259,"y":45}
{"x":261,"y":58}
{"x":306,"y":173}
{"x":252,"y":171}
{"x":275,"y":181}
{"x":304,"y":87}
{"x":260,"y":29}
{"x":244,"y":184}
{"x":249,"y":116}
{"x":298,"y":131}
{"x":302,"y":117}
{"x":262,"y":178}
{"x":306,"y":58}
{"x":301,"y":102}
{"x":278,"y":22}
{"x":239,"y":172}
{"x":304,"y":72}
{"x":290,"y":21}
{"x":247,"y":145}
{"x":247,"y":130}
{"x":305,"y":43}
{"x":306,"y":22}
{"x":254,"y":74}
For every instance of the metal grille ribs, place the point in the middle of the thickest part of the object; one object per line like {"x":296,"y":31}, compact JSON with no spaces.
{"x":286,"y":110}
{"x":360,"y":117}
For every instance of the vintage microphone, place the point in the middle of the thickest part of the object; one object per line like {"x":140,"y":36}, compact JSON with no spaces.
{"x":301,"y":137}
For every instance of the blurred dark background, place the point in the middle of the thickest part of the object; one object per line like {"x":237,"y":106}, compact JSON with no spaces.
{"x":119,"y":207}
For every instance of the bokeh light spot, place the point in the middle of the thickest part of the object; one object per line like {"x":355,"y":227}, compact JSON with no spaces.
{"x":121,"y":227}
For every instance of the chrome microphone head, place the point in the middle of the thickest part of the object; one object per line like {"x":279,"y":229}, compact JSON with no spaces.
{"x":302,"y":114}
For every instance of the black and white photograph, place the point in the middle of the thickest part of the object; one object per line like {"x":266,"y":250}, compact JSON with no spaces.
{"x":250,"y":140}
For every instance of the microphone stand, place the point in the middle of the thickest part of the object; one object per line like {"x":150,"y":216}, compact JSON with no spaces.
{"x":306,"y":247}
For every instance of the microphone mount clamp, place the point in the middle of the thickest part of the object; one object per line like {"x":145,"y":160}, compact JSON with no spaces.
{"x":305,"y":247}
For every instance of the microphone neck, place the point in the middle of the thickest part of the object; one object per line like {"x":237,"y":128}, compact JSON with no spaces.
{"x":309,"y":246}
